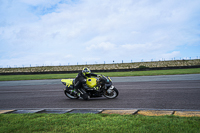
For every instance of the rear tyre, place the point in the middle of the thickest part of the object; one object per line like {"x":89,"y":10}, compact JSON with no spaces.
{"x":111,"y":94}
{"x":71,"y":96}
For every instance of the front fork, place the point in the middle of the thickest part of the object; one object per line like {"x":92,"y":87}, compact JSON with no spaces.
{"x":110,"y":89}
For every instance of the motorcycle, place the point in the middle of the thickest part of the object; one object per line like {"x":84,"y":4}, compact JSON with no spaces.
{"x":96,"y":87}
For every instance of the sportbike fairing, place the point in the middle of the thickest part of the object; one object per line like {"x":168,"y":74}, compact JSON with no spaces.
{"x":67,"y":82}
{"x":91,"y":82}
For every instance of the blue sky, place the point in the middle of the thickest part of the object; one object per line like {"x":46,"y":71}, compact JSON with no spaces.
{"x":54,"y":32}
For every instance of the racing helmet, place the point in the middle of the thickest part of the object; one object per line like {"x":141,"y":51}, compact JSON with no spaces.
{"x":86,"y":72}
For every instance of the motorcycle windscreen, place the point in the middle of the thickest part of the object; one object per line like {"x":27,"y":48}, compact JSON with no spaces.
{"x":91,"y":82}
{"x":68,"y":82}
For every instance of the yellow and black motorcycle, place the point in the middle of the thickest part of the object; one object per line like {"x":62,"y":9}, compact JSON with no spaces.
{"x":96,"y":87}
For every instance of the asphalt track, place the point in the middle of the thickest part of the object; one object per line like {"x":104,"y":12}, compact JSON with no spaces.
{"x":142,"y":92}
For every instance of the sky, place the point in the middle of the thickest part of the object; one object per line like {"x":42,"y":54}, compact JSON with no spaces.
{"x":71,"y":32}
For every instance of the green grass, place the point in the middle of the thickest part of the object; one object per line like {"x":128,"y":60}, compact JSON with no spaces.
{"x":111,"y":74}
{"x":36,"y":76}
{"x":96,"y":123}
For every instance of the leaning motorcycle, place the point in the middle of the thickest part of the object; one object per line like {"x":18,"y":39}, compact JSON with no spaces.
{"x":96,"y":87}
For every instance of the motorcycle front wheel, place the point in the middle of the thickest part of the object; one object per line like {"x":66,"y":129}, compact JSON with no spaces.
{"x":70,"y":96}
{"x":111,"y":93}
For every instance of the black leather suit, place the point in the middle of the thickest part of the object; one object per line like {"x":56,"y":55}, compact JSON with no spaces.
{"x":80,"y":84}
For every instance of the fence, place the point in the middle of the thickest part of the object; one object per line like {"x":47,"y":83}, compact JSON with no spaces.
{"x":113,"y":66}
{"x":95,"y":63}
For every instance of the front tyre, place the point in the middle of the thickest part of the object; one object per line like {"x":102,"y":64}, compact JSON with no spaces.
{"x":71,"y":96}
{"x":112,"y":93}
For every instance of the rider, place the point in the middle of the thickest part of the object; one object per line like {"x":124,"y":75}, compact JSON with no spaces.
{"x":80,"y":82}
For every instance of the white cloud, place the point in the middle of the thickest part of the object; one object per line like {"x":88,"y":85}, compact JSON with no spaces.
{"x":46,"y":59}
{"x":173,"y":54}
{"x":39,"y":2}
{"x":101,"y":46}
{"x":140,"y":29}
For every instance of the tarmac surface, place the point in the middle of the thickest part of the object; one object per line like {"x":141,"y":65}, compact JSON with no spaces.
{"x":175,"y":94}
{"x":115,"y":79}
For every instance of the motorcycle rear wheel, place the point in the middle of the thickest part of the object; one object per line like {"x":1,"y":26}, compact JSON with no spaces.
{"x":71,"y":96}
{"x":112,"y":94}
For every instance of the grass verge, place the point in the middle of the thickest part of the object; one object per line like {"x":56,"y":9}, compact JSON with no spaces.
{"x":111,"y":74}
{"x":96,"y":123}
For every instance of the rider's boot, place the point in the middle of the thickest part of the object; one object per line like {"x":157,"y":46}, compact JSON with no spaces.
{"x":83,"y":94}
